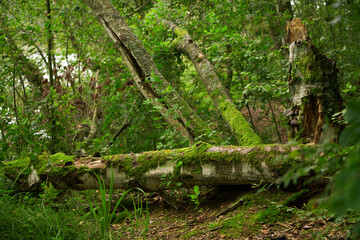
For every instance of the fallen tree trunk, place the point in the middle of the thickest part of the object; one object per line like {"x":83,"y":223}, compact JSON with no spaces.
{"x":202,"y":165}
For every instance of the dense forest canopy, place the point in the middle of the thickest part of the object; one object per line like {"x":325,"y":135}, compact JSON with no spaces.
{"x":103,"y":77}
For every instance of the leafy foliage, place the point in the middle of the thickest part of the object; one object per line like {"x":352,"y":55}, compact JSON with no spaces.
{"x":339,"y":163}
{"x":346,"y":192}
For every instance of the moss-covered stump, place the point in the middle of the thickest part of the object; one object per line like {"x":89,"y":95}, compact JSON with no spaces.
{"x":202,"y":164}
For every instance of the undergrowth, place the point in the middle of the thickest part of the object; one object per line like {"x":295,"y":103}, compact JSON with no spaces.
{"x":81,"y":215}
{"x":23,"y":217}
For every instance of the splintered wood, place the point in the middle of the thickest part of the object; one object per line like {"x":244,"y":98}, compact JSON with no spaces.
{"x":296,"y":31}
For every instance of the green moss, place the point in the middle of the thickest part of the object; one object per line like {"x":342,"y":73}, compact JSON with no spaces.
{"x":63,"y":171}
{"x":14,"y":167}
{"x":46,"y":162}
{"x":279,"y":212}
{"x":215,"y":93}
{"x":256,"y":157}
{"x":61,"y":158}
{"x":274,"y":159}
{"x":83,"y":169}
{"x":193,"y":154}
{"x":121,"y":161}
{"x":242,"y":224}
{"x":241,"y":129}
{"x":295,"y":196}
{"x":153,"y":159}
{"x":274,"y":213}
{"x":144,"y":162}
{"x":180,"y":32}
{"x":150,"y":160}
{"x":308,"y":65}
{"x":216,"y":157}
{"x":42,"y":163}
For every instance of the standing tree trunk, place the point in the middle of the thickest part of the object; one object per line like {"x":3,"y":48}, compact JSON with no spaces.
{"x":313,"y":84}
{"x":53,"y":137}
{"x":284,"y":13}
{"x":148,"y":78}
{"x":240,"y":128}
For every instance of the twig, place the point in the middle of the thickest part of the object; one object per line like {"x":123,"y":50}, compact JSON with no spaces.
{"x":137,"y":9}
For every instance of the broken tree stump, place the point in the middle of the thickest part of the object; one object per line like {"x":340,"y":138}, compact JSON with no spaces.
{"x":313,"y":85}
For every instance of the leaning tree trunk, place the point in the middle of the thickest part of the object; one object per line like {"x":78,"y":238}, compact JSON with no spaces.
{"x":148,"y":78}
{"x":202,"y":165}
{"x":240,"y":128}
{"x":313,"y":84}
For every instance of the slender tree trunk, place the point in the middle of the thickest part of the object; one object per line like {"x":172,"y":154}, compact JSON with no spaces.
{"x":77,"y":47}
{"x":285,"y":13}
{"x":51,"y":80}
{"x":148,"y":78}
{"x":24,"y":91}
{"x":275,"y":122}
{"x":94,"y":119}
{"x":19,"y":143}
{"x":50,"y":44}
{"x":250,"y":116}
{"x":14,"y":96}
{"x":247,"y":105}
{"x":229,"y":70}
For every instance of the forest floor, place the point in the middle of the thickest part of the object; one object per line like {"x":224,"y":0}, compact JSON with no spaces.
{"x":260,"y":215}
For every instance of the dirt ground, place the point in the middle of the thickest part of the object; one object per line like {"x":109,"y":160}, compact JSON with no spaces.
{"x":250,"y":219}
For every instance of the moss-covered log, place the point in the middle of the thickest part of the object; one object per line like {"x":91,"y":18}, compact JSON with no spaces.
{"x":313,"y":84}
{"x":202,"y":164}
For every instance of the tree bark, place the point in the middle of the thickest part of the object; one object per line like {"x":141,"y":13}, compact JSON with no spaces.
{"x":313,"y":84}
{"x":148,"y":78}
{"x":240,"y":128}
{"x":202,"y":165}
